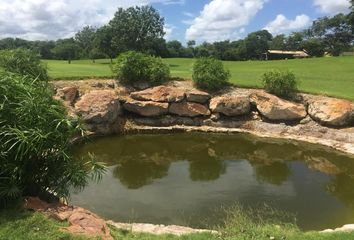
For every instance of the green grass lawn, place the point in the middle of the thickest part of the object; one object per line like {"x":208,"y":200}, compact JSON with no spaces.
{"x":329,"y":76}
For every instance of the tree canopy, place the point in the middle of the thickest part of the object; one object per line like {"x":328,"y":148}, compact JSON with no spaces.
{"x":136,"y":28}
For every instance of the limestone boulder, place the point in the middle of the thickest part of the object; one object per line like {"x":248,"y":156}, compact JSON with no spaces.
{"x":189,"y":109}
{"x":159,"y":94}
{"x":274,"y":108}
{"x":68,"y":94}
{"x":197,"y":96}
{"x":99,"y":106}
{"x":146,"y":108}
{"x":333,"y":112}
{"x":231,"y":105}
{"x":84,"y":222}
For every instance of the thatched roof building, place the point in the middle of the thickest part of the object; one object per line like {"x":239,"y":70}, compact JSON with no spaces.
{"x":279,"y":54}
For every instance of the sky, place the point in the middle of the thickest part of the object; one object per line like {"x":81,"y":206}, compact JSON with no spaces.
{"x":200,"y":20}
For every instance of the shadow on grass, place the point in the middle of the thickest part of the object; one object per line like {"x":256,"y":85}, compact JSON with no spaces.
{"x":12,"y":215}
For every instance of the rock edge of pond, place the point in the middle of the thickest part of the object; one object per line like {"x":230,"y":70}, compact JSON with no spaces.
{"x":108,"y":108}
{"x":84,"y":222}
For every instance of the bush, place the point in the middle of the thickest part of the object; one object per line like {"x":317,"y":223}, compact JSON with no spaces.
{"x":210,"y":74}
{"x":280,"y":83}
{"x":132,"y":67}
{"x":23,"y":62}
{"x":35,"y":140}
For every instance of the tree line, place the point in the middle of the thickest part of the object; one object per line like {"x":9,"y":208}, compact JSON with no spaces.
{"x":142,"y":29}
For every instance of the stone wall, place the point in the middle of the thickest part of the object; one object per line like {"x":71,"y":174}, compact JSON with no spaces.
{"x":107,"y":108}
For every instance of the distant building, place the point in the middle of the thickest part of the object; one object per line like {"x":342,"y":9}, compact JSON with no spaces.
{"x":279,"y":54}
{"x":347,"y":54}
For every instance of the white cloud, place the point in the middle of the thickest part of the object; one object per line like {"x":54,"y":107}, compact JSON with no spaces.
{"x":223,"y":19}
{"x":168,"y":28}
{"x":283,"y":25}
{"x":332,"y":6}
{"x":188,"y":14}
{"x":43,"y":19}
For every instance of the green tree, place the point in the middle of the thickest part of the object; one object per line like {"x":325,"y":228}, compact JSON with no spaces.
{"x":103,"y":42}
{"x":278,"y":42}
{"x":44,"y":48}
{"x":85,"y":40}
{"x":220,"y":48}
{"x":295,"y":41}
{"x":191,"y":47}
{"x":191,"y":43}
{"x":257,"y":43}
{"x":314,"y":47}
{"x":335,"y":32}
{"x":351,"y":15}
{"x":204,"y":50}
{"x":174,"y":48}
{"x":160,"y":48}
{"x":136,"y":28}
{"x":95,"y":54}
{"x":66,"y":49}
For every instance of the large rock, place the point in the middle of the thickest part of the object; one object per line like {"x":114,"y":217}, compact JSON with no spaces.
{"x":159,"y":94}
{"x":274,"y":108}
{"x":68,"y":94}
{"x":81,"y":221}
{"x":231,"y":105}
{"x":146,"y":108}
{"x":84,"y":222}
{"x":189,"y":109}
{"x":333,"y":112}
{"x":197,"y":96}
{"x":100,"y":106}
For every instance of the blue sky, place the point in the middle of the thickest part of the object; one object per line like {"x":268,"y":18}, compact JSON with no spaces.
{"x":200,"y":20}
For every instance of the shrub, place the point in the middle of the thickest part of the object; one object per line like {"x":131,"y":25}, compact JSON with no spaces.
{"x":132,"y":67}
{"x":23,"y":62}
{"x":210,"y":74}
{"x":35,"y":143}
{"x":280,"y":83}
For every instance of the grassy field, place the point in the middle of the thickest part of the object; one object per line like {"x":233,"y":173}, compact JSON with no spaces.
{"x":328,"y":76}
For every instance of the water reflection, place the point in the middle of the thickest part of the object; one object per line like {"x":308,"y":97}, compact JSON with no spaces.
{"x":161,"y":175}
{"x":207,"y":169}
{"x":136,"y":174}
{"x":139,"y":160}
{"x":341,"y":186}
{"x":276,"y":173}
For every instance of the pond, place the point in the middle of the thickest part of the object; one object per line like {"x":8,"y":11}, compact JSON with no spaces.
{"x":184,"y":179}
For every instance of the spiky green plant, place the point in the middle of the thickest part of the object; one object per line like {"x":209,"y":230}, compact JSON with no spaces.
{"x":35,"y":137}
{"x":23,"y":62}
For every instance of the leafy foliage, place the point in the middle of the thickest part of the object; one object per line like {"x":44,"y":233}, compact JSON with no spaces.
{"x":210,"y":74}
{"x":103,"y":41}
{"x":335,"y":32}
{"x":66,"y":49}
{"x":23,"y":62}
{"x":281,"y":83}
{"x":85,"y":40}
{"x":132,"y":67}
{"x":314,"y":47}
{"x":35,"y":143}
{"x":136,"y":28}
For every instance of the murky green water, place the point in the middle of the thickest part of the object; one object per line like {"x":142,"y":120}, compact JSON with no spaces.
{"x":183,"y":178}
